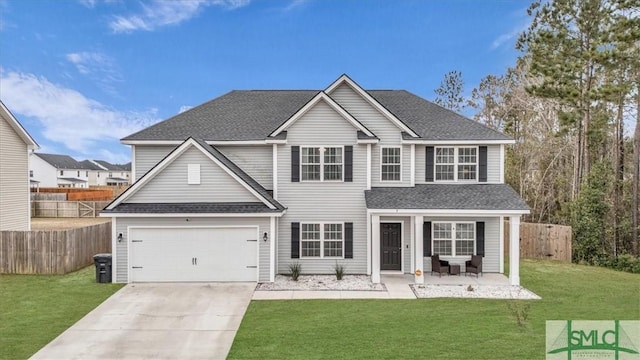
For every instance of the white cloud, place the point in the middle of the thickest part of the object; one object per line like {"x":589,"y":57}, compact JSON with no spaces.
{"x":163,"y":13}
{"x":184,"y":108}
{"x":68,"y":117}
{"x":294,"y":4}
{"x":99,"y":67}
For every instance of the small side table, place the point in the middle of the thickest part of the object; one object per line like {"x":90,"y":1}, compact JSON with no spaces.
{"x":454,"y":269}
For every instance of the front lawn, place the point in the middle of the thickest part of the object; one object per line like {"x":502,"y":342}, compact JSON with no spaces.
{"x":34,"y":309}
{"x":437,"y":328}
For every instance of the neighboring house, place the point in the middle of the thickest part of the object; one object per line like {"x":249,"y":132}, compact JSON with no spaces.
{"x":53,"y":170}
{"x":15,"y":144}
{"x":114,"y":175}
{"x":94,"y":172}
{"x":241,"y":187}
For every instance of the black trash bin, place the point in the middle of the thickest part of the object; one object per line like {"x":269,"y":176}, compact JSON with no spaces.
{"x":103,"y":267}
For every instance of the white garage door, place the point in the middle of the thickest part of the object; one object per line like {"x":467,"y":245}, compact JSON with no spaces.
{"x":193,"y":254}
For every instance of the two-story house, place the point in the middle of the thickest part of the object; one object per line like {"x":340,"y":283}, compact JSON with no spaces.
{"x":104,"y":173}
{"x":241,"y":187}
{"x":55,"y":170}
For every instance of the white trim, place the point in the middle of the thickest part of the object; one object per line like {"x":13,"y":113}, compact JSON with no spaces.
{"x":368,"y":167}
{"x":322,"y":240}
{"x":335,"y":106}
{"x":418,"y":255}
{"x":456,"y":163}
{"x":453,"y":238}
{"x":151,"y":142}
{"x":375,"y":249}
{"x":133,"y":164}
{"x":456,"y":142}
{"x":514,"y":250}
{"x":169,"y":159}
{"x":274,"y":161}
{"x":142,"y":227}
{"x":367,"y":141}
{"x":413,"y":164}
{"x":193,"y":215}
{"x":369,"y":241}
{"x":269,"y":141}
{"x":322,"y":163}
{"x":501,"y":229}
{"x":114,"y":250}
{"x":210,"y":142}
{"x":501,"y":163}
{"x":401,"y":153}
{"x":272,"y":249}
{"x":18,"y":128}
{"x":447,"y":212}
{"x":402,"y":245}
{"x":360,"y":91}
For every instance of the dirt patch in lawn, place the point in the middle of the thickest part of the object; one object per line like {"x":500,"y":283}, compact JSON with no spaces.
{"x":64,"y":223}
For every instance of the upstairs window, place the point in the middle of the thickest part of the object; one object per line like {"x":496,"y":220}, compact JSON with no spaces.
{"x":30,"y":173}
{"x":453,"y":164}
{"x":321,"y":164}
{"x":61,"y":172}
{"x":390,"y":164}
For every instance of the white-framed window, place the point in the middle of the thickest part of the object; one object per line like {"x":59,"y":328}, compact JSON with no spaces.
{"x":30,"y":173}
{"x":453,"y":238}
{"x":61,"y":172}
{"x":390,"y":164}
{"x":322,"y":240}
{"x":456,"y":163}
{"x":322,"y":163}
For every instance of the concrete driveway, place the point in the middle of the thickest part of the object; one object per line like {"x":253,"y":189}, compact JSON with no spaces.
{"x":157,"y":321}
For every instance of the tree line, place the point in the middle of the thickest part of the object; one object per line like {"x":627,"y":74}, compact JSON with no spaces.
{"x":571,"y":101}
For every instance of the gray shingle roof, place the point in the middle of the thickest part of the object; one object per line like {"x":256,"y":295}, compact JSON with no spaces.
{"x":254,"y":114}
{"x":446,"y":196}
{"x":190,"y":208}
{"x":60,"y":161}
{"x":238,"y":115}
{"x":88,"y":165}
{"x":431,"y":121}
{"x":109,"y":166}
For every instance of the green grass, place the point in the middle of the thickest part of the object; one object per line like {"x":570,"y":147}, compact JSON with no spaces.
{"x":34,"y":309}
{"x":436,"y":328}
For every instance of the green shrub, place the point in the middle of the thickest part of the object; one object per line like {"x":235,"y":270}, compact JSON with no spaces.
{"x":624,"y":262}
{"x":294,"y":270}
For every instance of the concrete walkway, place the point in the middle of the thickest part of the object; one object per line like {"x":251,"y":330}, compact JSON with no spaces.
{"x":397,"y":288}
{"x":157,"y":321}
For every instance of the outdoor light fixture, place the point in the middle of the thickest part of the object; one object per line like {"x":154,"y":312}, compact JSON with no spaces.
{"x":120,"y":237}
{"x":265,"y":237}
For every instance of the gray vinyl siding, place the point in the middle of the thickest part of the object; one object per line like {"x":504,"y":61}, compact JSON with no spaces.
{"x":14,"y":180}
{"x":123,"y":224}
{"x":255,"y":160}
{"x":491,"y":260}
{"x":406,"y":239}
{"x":170,"y":185}
{"x":314,"y":202}
{"x":493,"y":163}
{"x":146,"y":157}
{"x":387,"y":132}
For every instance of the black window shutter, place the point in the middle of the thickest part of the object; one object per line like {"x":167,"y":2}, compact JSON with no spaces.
{"x":348,"y":163}
{"x":295,"y":240}
{"x":482,"y":157}
{"x":480,"y":238}
{"x":348,"y":240}
{"x":295,"y":164}
{"x":428,"y":170}
{"x":426,"y":239}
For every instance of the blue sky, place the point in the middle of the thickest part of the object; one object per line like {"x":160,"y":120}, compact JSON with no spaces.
{"x":80,"y":75}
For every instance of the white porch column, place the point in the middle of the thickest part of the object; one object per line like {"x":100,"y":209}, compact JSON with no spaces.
{"x":272,"y":249}
{"x":375,"y":248}
{"x":418,"y":222}
{"x":514,"y":250}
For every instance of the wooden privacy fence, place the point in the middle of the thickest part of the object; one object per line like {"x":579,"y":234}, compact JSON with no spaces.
{"x":542,"y":241}
{"x":52,"y":252}
{"x":61,"y":209}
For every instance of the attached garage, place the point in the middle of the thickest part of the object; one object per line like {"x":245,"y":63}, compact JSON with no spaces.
{"x":172,"y":254}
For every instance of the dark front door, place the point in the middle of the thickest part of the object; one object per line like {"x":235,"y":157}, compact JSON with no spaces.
{"x":391,"y":246}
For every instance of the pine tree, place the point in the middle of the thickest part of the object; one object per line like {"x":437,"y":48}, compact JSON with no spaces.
{"x":449,"y":93}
